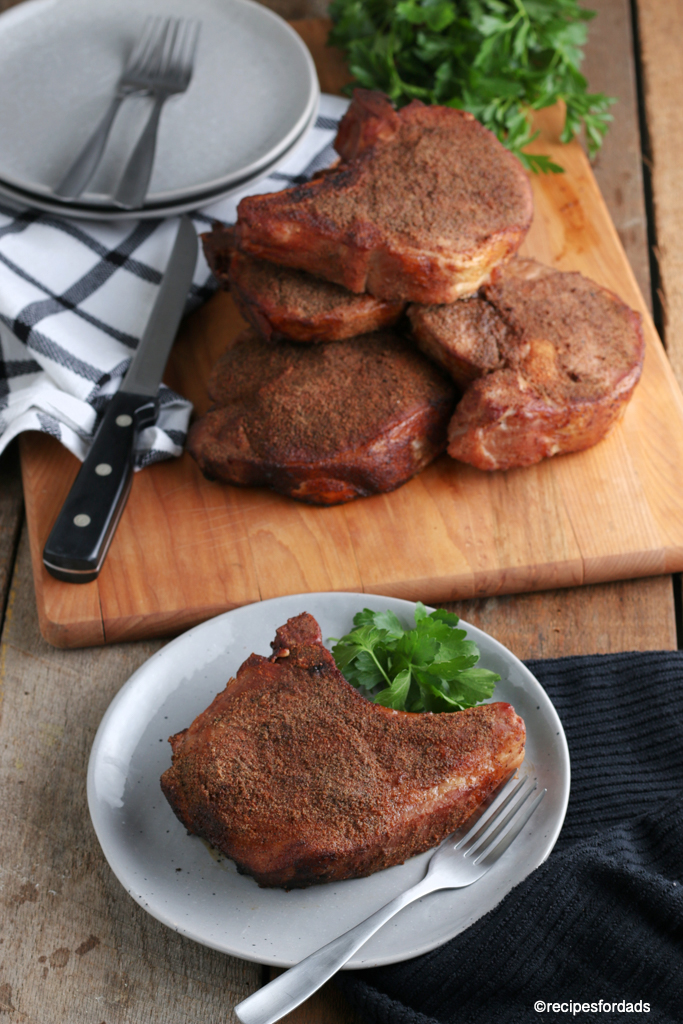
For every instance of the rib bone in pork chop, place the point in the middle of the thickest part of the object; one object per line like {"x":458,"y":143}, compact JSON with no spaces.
{"x":548,"y":361}
{"x":423,"y":204}
{"x":283,"y":303}
{"x":324,"y":423}
{"x":299,"y":779}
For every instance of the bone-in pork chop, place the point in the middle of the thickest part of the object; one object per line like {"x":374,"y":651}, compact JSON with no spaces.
{"x":299,"y":779}
{"x":283,"y":303}
{"x":423,"y":204}
{"x":548,"y":361}
{"x":323,"y":423}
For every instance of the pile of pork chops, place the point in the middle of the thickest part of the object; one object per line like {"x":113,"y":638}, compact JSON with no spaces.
{"x":391,"y":320}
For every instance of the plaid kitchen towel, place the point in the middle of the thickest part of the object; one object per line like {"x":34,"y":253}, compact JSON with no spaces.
{"x":596,"y":933}
{"x":75,"y":296}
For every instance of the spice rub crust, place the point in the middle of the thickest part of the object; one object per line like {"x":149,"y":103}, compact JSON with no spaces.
{"x":299,"y":779}
{"x":286,"y":304}
{"x":323,"y":424}
{"x":422,"y":205}
{"x":548,"y":361}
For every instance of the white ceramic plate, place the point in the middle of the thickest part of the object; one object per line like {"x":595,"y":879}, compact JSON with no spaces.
{"x":23,"y":199}
{"x":252,"y":92}
{"x":180,"y":881}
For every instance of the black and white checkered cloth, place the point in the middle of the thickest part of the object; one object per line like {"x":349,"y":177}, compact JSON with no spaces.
{"x":75,"y":297}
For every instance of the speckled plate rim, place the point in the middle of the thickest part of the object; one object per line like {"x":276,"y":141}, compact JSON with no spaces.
{"x":181,"y":882}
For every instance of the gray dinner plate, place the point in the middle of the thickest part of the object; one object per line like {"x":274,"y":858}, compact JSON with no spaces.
{"x":22,"y":199}
{"x":253,"y":91}
{"x":185,"y":884}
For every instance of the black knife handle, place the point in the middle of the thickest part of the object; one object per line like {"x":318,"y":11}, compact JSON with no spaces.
{"x":82,"y":533}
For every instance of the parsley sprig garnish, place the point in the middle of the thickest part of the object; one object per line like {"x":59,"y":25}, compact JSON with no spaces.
{"x":498,"y":59}
{"x":428,"y":668}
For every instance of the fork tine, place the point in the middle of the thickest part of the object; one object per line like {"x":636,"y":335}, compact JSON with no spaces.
{"x":182,"y":58}
{"x":141,"y":45}
{"x":175,"y":62}
{"x":190,"y":48}
{"x":492,"y":813}
{"x":487,"y":856}
{"x":489,"y":837}
{"x":153,"y":33}
{"x":167,"y":55}
{"x":154,"y":57}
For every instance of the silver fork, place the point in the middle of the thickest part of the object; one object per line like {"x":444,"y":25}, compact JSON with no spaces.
{"x":135,"y":79}
{"x":455,"y":864}
{"x":171,"y":73}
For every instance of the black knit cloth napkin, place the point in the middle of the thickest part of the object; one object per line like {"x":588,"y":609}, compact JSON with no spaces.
{"x":602,"y":919}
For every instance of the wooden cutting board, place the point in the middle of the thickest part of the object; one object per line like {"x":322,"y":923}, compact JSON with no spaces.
{"x":187,"y":549}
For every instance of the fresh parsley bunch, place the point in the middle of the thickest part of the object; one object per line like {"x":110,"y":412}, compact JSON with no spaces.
{"x":428,"y":668}
{"x":498,"y":59}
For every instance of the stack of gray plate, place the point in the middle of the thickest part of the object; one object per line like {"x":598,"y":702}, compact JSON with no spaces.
{"x":253,"y":96}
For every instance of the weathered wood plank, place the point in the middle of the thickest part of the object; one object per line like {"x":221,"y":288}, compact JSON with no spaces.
{"x":660,"y":28}
{"x":609,"y":68}
{"x":75,"y":947}
{"x":291,"y":9}
{"x":637,"y":615}
{"x":327,"y":1006}
{"x":333,"y":72}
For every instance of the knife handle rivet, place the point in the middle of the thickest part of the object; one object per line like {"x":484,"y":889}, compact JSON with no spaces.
{"x":82,"y":520}
{"x":124,"y":420}
{"x":103,"y":469}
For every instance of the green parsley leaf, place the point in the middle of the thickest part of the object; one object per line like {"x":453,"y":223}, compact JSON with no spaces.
{"x":499,"y":59}
{"x":395,"y":695}
{"x":431,"y":667}
{"x":356,"y":658}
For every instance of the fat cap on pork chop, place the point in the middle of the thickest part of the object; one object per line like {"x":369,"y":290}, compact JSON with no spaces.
{"x":283,"y":303}
{"x":299,"y":779}
{"x":324,"y":423}
{"x":547,"y":360}
{"x":423,"y":204}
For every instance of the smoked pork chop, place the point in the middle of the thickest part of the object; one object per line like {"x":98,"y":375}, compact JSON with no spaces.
{"x":324,"y":423}
{"x":299,"y":779}
{"x":423,"y":204}
{"x":548,"y":361}
{"x":283,"y":303}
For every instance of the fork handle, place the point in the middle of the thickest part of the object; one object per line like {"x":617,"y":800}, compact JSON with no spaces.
{"x":290,"y":989}
{"x":133,"y":186}
{"x":87,"y":161}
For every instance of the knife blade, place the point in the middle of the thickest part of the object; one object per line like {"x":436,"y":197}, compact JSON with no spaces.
{"x":78,"y":543}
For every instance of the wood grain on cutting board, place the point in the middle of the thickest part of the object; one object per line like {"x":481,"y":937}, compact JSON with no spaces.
{"x":187,"y":549}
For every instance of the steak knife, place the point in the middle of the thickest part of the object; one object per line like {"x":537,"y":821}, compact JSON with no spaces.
{"x":82,"y":533}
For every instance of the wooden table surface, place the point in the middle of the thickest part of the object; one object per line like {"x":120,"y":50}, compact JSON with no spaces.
{"x":74,"y":947}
